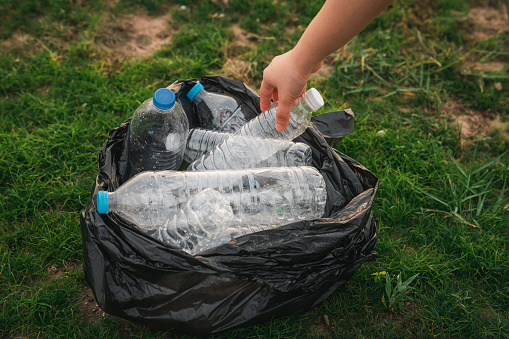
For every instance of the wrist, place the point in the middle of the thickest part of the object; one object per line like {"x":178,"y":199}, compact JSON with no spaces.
{"x":304,"y":62}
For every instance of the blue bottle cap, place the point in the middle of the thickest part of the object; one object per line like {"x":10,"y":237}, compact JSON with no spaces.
{"x":102,"y":202}
{"x":195,"y":90}
{"x":164,"y":99}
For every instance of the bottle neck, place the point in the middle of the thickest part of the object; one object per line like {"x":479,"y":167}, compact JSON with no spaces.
{"x":199,"y":96}
{"x":112,"y":201}
{"x":303,"y":109}
{"x":164,"y":111}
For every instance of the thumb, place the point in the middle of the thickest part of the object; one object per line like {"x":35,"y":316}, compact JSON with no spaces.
{"x":283,"y":114}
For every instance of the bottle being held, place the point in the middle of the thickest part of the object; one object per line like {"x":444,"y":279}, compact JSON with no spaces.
{"x":216,"y":111}
{"x":258,"y":199}
{"x":157,"y":134}
{"x":242,"y":149}
{"x":201,"y":141}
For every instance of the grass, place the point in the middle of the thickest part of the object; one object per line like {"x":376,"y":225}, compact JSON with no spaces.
{"x":442,"y":206}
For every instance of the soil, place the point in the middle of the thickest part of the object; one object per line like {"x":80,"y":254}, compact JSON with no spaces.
{"x":495,"y":66}
{"x":20,"y":42}
{"x":243,"y":38}
{"x":135,"y":35}
{"x":473,"y":123}
{"x":89,"y":307}
{"x":485,"y":22}
{"x":321,"y":326}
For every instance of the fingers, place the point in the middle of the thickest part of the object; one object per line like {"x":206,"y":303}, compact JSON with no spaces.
{"x":283,"y":114}
{"x":266,"y":90}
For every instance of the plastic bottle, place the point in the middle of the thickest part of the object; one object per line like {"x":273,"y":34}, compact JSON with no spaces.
{"x":216,"y":111}
{"x":158,"y":134}
{"x":259,"y":198}
{"x":197,"y":225}
{"x":201,"y":141}
{"x":242,"y":150}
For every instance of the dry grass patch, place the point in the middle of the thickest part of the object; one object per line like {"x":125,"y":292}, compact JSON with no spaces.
{"x":237,"y":69}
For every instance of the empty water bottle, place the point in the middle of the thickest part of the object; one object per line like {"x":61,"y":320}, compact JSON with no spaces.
{"x":242,"y":149}
{"x":259,"y":198}
{"x":216,"y":111}
{"x":199,"y":224}
{"x":201,"y":141}
{"x":158,"y":134}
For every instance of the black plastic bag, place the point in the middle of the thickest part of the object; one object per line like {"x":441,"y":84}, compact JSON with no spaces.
{"x":250,"y":279}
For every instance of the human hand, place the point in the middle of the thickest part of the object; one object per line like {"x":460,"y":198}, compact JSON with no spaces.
{"x":284,"y":80}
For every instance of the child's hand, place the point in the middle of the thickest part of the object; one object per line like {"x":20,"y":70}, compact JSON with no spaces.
{"x":284,"y":80}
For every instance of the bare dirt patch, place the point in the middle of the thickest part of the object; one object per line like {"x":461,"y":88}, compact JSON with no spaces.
{"x":245,"y":39}
{"x":473,"y":123}
{"x":93,"y":314}
{"x":134,"y":35}
{"x":89,"y":307}
{"x":495,"y":66}
{"x":484,"y":22}
{"x":321,"y":326}
{"x":474,"y":66}
{"x":20,"y":42}
{"x":57,"y":271}
{"x":492,"y":315}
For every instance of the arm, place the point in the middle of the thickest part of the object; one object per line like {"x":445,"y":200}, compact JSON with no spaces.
{"x":337,"y":22}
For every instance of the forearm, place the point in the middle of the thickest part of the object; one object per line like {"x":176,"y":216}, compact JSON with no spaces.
{"x":337,"y":23}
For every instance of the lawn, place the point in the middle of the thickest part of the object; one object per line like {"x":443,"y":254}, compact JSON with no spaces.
{"x":428,"y":82}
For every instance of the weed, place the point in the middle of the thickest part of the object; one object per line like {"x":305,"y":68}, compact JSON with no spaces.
{"x":398,"y":294}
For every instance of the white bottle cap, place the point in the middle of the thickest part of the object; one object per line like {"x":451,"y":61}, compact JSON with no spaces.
{"x":313,"y":99}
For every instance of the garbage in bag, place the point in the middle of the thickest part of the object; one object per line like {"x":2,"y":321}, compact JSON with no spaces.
{"x":199,"y":210}
{"x":274,"y":272}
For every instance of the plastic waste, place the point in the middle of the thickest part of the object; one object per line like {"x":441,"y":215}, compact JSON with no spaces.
{"x":259,"y":276}
{"x":265,"y":198}
{"x":197,"y":226}
{"x":216,"y":111}
{"x":201,"y":141}
{"x":158,"y":134}
{"x":243,"y":149}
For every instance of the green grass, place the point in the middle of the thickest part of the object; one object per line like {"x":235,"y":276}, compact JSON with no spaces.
{"x":442,"y":206}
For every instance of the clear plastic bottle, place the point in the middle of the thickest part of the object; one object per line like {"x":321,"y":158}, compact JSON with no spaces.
{"x":201,"y":141}
{"x":158,"y":134}
{"x":216,"y":111}
{"x":197,"y":226}
{"x":259,"y":198}
{"x":242,"y":150}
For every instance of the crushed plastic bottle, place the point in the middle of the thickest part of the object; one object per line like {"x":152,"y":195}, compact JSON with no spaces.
{"x":197,"y":226}
{"x":243,"y":149}
{"x":216,"y":111}
{"x":201,"y":141}
{"x":259,"y":199}
{"x":157,"y":134}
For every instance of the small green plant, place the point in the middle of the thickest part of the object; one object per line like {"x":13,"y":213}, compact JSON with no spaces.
{"x":379,"y":275}
{"x":397,"y":295}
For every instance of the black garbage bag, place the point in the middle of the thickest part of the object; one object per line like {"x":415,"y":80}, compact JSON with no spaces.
{"x":252,"y":278}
